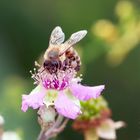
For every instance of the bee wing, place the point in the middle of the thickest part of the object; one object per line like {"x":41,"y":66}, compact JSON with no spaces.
{"x":57,"y":36}
{"x":74,"y":38}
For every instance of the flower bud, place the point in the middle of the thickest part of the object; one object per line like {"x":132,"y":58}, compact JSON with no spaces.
{"x":46,"y":116}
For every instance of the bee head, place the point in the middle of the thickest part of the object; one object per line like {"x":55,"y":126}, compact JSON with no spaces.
{"x":51,"y":65}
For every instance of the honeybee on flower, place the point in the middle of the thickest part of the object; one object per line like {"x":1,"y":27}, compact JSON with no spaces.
{"x":57,"y":86}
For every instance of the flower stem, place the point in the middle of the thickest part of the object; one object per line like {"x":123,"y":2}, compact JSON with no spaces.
{"x":54,"y":130}
{"x":42,"y":135}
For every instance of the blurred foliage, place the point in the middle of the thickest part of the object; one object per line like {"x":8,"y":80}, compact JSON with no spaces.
{"x":10,"y":104}
{"x":122,"y":37}
{"x":25,"y":27}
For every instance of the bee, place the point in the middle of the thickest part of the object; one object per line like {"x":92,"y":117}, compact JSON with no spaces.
{"x":62,"y":56}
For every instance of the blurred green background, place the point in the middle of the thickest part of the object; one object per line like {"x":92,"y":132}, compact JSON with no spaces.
{"x":110,"y":55}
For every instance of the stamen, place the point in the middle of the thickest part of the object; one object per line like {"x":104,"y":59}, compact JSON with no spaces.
{"x":59,"y":80}
{"x":37,"y":64}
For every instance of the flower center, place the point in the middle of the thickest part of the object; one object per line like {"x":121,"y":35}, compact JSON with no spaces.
{"x":58,"y":81}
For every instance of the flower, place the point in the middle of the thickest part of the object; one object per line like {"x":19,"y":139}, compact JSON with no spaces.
{"x":59,"y":87}
{"x":66,"y":101}
{"x":96,"y":120}
{"x":10,"y":135}
{"x":2,"y":121}
{"x":107,"y":129}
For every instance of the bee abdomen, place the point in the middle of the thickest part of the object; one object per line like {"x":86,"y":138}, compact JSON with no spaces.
{"x":72,"y":60}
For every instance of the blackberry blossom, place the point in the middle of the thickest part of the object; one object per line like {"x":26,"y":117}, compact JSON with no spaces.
{"x":58,"y":87}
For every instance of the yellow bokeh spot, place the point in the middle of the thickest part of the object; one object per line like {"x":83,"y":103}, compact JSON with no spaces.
{"x":124,"y":9}
{"x":106,"y":30}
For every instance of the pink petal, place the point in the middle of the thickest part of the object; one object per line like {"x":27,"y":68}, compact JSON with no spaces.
{"x":34,"y":99}
{"x":119,"y":124}
{"x":66,"y":106}
{"x":107,"y":130}
{"x":85,"y":92}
